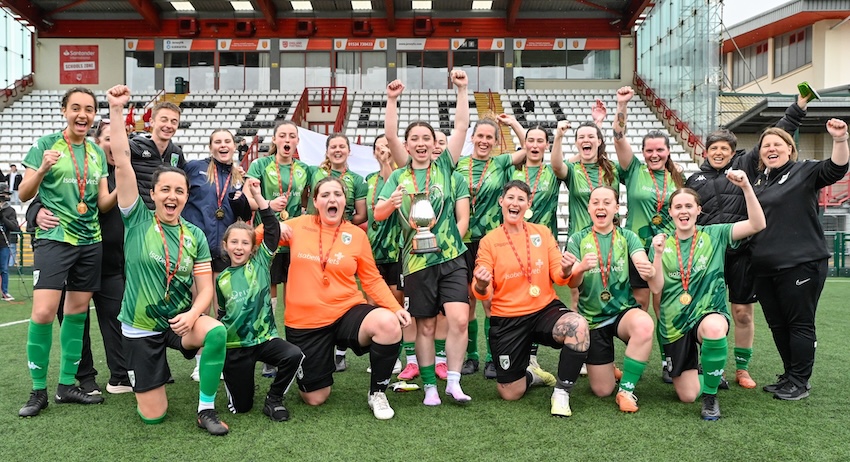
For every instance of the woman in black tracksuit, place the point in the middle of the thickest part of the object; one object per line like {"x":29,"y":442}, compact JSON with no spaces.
{"x":789,"y":258}
{"x":723,"y":202}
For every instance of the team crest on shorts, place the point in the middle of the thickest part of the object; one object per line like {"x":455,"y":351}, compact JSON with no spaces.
{"x":346,"y":238}
{"x":406,"y":303}
{"x":536,"y":240}
{"x":132,"y":376}
{"x":504,"y":362}
{"x":35,"y":275}
{"x":299,"y":373}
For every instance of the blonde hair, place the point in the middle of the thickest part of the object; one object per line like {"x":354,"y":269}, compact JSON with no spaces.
{"x":326,"y":164}
{"x":212,"y":173}
{"x":786,"y":137}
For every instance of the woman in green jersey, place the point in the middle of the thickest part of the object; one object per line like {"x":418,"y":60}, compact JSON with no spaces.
{"x":167,"y":260}
{"x":689,"y":267}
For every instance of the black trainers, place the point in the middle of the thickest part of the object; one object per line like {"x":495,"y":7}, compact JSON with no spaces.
{"x":773,"y":387}
{"x":665,"y":375}
{"x":470,"y":366}
{"x":66,"y":394}
{"x":724,"y":385}
{"x":339,"y":363}
{"x":710,"y":407}
{"x":275,"y":409}
{"x":790,"y":391}
{"x":90,"y":387}
{"x":37,"y":402}
{"x":208,"y":420}
{"x":490,"y":370}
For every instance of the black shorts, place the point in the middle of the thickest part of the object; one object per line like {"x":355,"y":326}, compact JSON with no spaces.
{"x":146,"y":362}
{"x":601,"y":349}
{"x":740,"y":278}
{"x":511,"y":339}
{"x":59,"y":265}
{"x":390,"y":272}
{"x":427,"y":290}
{"x":683,"y":354}
{"x":280,"y":268}
{"x":470,"y":256}
{"x":635,"y":281}
{"x":220,"y":264}
{"x":318,"y":347}
{"x":240,"y":365}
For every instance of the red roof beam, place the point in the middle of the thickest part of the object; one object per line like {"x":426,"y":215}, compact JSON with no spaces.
{"x":148,"y":11}
{"x":389,"y":7}
{"x":269,"y":12}
{"x":29,"y":12}
{"x":513,"y":12}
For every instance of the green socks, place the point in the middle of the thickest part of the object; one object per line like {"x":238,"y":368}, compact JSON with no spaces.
{"x":154,"y":421}
{"x":409,"y":349}
{"x":632,"y":370}
{"x":211,"y":364}
{"x":660,"y":343}
{"x":429,"y":376}
{"x":71,"y":340}
{"x":472,"y":343}
{"x":440,"y":348}
{"x":39,"y":339}
{"x":712,"y":358}
{"x":742,"y":357}
{"x":487,"y":338}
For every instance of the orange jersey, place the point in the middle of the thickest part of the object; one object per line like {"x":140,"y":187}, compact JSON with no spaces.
{"x":510,"y":286}
{"x":309,"y":302}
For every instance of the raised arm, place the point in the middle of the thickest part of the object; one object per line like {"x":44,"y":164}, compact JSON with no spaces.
{"x":396,"y":145}
{"x":656,"y":282}
{"x":598,"y":112}
{"x":840,"y":150}
{"x":518,"y":156}
{"x":755,"y":221}
{"x":625,"y":155}
{"x":557,"y":157}
{"x":458,"y":138}
{"x":125,"y":178}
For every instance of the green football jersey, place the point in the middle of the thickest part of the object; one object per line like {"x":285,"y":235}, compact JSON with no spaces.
{"x":441,"y":197}
{"x":383,"y":235}
{"x":598,"y":312}
{"x":144,"y":305}
{"x":60,"y":192}
{"x":265,"y":170}
{"x":706,"y":287}
{"x":544,"y":204}
{"x":576,"y":181}
{"x":643,"y":200}
{"x":355,"y":189}
{"x":244,"y":301}
{"x":484,"y":212}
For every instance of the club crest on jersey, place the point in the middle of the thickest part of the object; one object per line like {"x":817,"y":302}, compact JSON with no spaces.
{"x":784,"y":178}
{"x":146,"y":154}
{"x":504,"y":362}
{"x":174,"y":159}
{"x":346,"y":238}
{"x":536,"y":240}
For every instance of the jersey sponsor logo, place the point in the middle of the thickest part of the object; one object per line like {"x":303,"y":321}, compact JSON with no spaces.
{"x":536,"y":240}
{"x":89,"y":181}
{"x":346,"y":238}
{"x":504,"y":362}
{"x":307,"y":256}
{"x":539,"y":263}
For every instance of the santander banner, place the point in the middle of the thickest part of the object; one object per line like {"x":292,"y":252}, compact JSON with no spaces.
{"x":78,"y":65}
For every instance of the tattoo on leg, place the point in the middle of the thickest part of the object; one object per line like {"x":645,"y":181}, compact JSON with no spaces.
{"x":570,"y":333}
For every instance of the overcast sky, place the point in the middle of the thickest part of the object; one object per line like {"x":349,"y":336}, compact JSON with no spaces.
{"x":735,"y":11}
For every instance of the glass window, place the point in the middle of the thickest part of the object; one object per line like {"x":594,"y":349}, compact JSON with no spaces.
{"x":792,"y":51}
{"x":139,"y":70}
{"x":243,"y":71}
{"x":176,"y":65}
{"x":593,"y":64}
{"x":299,"y":70}
{"x":749,"y":67}
{"x":540,"y":64}
{"x":423,"y":69}
{"x":15,"y":49}
{"x":361,"y":70}
{"x":483,"y":68}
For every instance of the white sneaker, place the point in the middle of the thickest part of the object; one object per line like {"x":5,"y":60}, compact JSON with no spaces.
{"x":541,"y":377}
{"x":118,"y":389}
{"x":196,"y":374}
{"x":380,"y":406}
{"x":561,"y":403}
{"x":396,"y":368}
{"x":583,"y":369}
{"x":532,"y":361}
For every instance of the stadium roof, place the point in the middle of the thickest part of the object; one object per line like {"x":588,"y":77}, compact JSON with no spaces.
{"x":41,"y":14}
{"x":748,"y":113}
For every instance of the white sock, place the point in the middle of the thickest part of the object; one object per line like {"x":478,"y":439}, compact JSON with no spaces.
{"x":411,"y":359}
{"x":340,"y":352}
{"x":197,"y":361}
{"x":203,"y":406}
{"x":453,"y":379}
{"x":440,"y":360}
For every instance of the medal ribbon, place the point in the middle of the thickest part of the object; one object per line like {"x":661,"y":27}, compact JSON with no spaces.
{"x":605,"y":266}
{"x":220,"y":194}
{"x":473,"y":190}
{"x":659,"y":194}
{"x":587,"y":177}
{"x":527,"y":273}
{"x":427,"y":179}
{"x":169,"y":274}
{"x":536,"y":182}
{"x":686,"y":275}
{"x":280,"y":181}
{"x":323,"y":260}
{"x":81,"y":180}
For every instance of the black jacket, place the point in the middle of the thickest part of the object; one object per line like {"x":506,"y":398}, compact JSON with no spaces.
{"x":9,"y":225}
{"x":722,"y":201}
{"x":145,"y":158}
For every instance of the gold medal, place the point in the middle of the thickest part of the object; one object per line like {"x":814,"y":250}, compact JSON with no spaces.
{"x":219,"y":214}
{"x":528,"y":214}
{"x":167,"y":297}
{"x":82,"y":208}
{"x":284,"y":215}
{"x":374,"y":226}
{"x":685,"y":299}
{"x":605,"y":296}
{"x":656,"y":220}
{"x":534,"y":291}
{"x":326,"y":281}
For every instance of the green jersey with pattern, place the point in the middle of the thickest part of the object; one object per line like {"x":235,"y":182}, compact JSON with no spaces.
{"x":643,"y":200}
{"x":544,"y":203}
{"x":383,"y":235}
{"x":600,"y":313}
{"x":441,"y":197}
{"x":144,"y":305}
{"x":244,"y":301}
{"x":485,"y":214}
{"x":265,"y":170}
{"x":59,"y":191}
{"x":580,"y":189}
{"x":355,"y":189}
{"x":706,"y":287}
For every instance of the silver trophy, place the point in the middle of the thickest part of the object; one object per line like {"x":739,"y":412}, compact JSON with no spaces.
{"x":422,"y":218}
